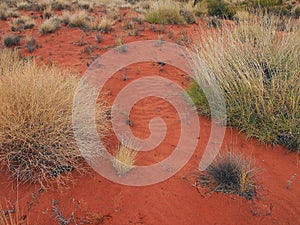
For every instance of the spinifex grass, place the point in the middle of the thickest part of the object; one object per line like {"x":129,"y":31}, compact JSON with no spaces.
{"x":257,"y":68}
{"x":36,"y":131}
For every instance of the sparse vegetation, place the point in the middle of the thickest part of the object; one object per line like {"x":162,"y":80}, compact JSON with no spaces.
{"x":48,"y":12}
{"x":297,"y":12}
{"x":23,"y":22}
{"x":220,"y":9}
{"x":98,"y":38}
{"x":87,"y":5}
{"x":258,"y":71}
{"x":125,"y":156}
{"x":230,"y":173}
{"x":165,"y":12}
{"x":105,"y":25}
{"x":4,"y":11}
{"x":31,"y":44}
{"x":188,"y":14}
{"x":24,"y":5}
{"x":10,"y":40}
{"x":79,"y":19}
{"x":50,"y":25}
{"x":36,"y":132}
{"x":61,"y":4}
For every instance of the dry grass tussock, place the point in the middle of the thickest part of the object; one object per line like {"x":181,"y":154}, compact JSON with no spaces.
{"x":125,"y":156}
{"x":165,"y":12}
{"x":257,"y":68}
{"x":36,"y":131}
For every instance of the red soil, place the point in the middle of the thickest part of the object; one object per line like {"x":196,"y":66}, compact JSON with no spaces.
{"x":96,"y":200}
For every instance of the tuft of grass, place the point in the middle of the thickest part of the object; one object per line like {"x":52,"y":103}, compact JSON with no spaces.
{"x":48,"y":12}
{"x":3,"y":11}
{"x":79,"y":19}
{"x":125,"y":156}
{"x":61,"y":4}
{"x":23,"y":22}
{"x":86,"y":5}
{"x":220,"y":9}
{"x":6,"y":12}
{"x":199,"y":99}
{"x":165,"y":12}
{"x":10,"y":40}
{"x":31,"y":43}
{"x":50,"y":25}
{"x":257,"y":68}
{"x":297,"y":12}
{"x":187,"y":12}
{"x":230,"y":173}
{"x":37,"y":142}
{"x":105,"y":25}
{"x":98,"y":38}
{"x":24,"y":5}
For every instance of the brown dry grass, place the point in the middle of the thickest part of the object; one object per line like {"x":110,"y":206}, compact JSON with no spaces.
{"x":36,"y":130}
{"x":125,"y":156}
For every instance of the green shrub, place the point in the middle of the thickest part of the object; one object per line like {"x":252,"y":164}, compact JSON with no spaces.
{"x":266,"y":3}
{"x":258,"y":71}
{"x":297,"y":12}
{"x":199,"y":99}
{"x":188,"y":14}
{"x":220,"y":9}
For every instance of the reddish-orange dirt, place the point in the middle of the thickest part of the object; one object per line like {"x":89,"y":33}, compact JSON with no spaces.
{"x":95,"y":200}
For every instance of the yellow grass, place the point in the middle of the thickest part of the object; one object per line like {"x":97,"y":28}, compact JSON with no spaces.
{"x":125,"y":157}
{"x":36,"y":130}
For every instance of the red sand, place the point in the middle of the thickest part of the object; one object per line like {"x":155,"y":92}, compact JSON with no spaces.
{"x":95,"y":200}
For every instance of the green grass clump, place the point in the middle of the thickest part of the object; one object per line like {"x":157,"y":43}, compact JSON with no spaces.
{"x":165,"y":12}
{"x":199,"y":98}
{"x":220,"y":9}
{"x":297,"y":12}
{"x":266,"y":3}
{"x":230,"y":173}
{"x":257,"y":69}
{"x":37,"y":141}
